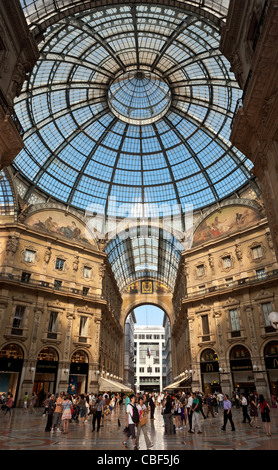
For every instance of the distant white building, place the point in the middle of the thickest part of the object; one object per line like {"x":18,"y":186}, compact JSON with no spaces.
{"x":149,"y":348}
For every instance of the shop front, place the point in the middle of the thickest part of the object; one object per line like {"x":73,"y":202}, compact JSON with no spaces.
{"x":242,"y":370}
{"x":46,"y":374}
{"x":210,"y":372}
{"x":78,"y":374}
{"x":271,"y":365}
{"x":11,"y":363}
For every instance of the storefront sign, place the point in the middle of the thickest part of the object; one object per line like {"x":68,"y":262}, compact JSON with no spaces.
{"x":209,"y":367}
{"x":47,"y":366}
{"x":271,"y":362}
{"x":242,"y":364}
{"x":79,"y":368}
{"x":11,"y":365}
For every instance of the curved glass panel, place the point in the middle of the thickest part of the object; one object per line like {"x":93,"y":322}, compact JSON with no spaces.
{"x":100,"y":136}
{"x":6,"y":196}
{"x":37,"y":11}
{"x":143,"y":255}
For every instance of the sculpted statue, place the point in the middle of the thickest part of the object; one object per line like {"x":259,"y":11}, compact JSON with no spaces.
{"x":47,"y":255}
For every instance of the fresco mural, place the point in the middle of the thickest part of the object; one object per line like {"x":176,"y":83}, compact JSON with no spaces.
{"x":225,"y":221}
{"x":60,"y":224}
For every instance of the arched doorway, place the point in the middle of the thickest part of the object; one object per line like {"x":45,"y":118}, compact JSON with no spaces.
{"x":78,"y":378}
{"x":210,"y":372}
{"x":147,"y":356}
{"x":242,"y":369}
{"x":46,"y":373}
{"x":271,"y":365}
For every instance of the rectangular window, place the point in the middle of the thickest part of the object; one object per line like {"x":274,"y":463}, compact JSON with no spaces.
{"x":200,"y":270}
{"x":87,"y":272}
{"x":53,"y":325}
{"x":205,"y":325}
{"x":60,"y":264}
{"x":83,"y":326}
{"x":267,"y":309}
{"x":85,"y":290}
{"x":227,"y":262}
{"x":18,"y":319}
{"x":234,"y":320}
{"x":57,"y":284}
{"x":25,"y":277}
{"x":257,"y":252}
{"x":29,"y":256}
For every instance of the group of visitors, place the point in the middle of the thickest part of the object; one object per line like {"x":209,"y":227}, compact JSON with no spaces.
{"x":67,"y":408}
{"x":184,"y":410}
{"x":180,"y":411}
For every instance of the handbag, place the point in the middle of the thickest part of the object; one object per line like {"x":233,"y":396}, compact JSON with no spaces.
{"x":143,"y":420}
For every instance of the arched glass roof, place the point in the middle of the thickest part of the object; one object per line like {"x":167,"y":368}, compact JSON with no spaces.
{"x":147,"y":252}
{"x":131,"y":104}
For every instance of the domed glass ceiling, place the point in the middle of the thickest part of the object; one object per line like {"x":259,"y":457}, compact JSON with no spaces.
{"x":131,"y":103}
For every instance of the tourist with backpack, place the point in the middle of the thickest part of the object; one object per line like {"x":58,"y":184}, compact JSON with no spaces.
{"x":132,"y":419}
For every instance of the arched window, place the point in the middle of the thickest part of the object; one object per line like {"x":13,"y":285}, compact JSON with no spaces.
{"x":240,"y":352}
{"x":209,"y":355}
{"x":48,"y":354}
{"x":11,"y":351}
{"x":80,"y":357}
{"x":271,"y":349}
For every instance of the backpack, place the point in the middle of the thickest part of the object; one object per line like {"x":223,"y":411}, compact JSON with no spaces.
{"x":135,"y":416}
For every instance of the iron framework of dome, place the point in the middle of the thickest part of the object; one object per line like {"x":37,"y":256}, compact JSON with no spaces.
{"x":130,"y":104}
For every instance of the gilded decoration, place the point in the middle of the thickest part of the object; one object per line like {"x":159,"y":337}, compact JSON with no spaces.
{"x":146,"y":287}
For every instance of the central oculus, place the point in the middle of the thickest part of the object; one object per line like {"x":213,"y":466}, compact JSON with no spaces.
{"x":139,"y":97}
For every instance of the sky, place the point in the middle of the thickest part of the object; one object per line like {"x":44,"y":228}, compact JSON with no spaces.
{"x":149,"y":315}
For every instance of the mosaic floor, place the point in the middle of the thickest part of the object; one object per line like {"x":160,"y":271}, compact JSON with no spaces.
{"x":25,"y":431}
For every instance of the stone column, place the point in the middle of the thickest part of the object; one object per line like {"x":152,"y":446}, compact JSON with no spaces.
{"x":225,"y":375}
{"x":260,"y":378}
{"x":93,"y":376}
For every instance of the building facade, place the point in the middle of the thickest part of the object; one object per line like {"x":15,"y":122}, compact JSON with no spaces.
{"x":222,"y":330}
{"x":149,"y":347}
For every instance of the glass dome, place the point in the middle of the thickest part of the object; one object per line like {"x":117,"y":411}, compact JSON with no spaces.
{"x":139,"y":97}
{"x":131,"y":104}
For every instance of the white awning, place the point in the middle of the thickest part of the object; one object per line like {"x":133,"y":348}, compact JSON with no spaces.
{"x":176,"y":384}
{"x":107,"y":385}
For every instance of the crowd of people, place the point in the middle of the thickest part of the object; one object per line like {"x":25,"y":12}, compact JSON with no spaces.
{"x":180,"y":411}
{"x":184,"y":410}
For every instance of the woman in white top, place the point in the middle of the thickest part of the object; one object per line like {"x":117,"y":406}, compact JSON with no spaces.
{"x":142,"y":409}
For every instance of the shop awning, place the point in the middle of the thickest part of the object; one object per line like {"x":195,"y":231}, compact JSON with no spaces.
{"x":177,"y":384}
{"x":107,"y":385}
